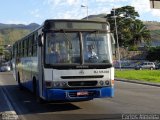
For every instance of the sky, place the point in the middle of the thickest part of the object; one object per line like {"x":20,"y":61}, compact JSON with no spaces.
{"x":37,"y":11}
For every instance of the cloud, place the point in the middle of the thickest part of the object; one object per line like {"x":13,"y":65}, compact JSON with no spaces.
{"x":155,"y":12}
{"x":70,"y":14}
{"x":141,"y":6}
{"x":71,"y":9}
{"x":72,"y":2}
{"x":35,"y":13}
{"x":111,"y":1}
{"x":62,"y":2}
{"x":18,"y":22}
{"x":99,"y":10}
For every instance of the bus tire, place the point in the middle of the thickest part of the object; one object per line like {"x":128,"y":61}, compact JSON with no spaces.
{"x":35,"y":92}
{"x":19,"y":82}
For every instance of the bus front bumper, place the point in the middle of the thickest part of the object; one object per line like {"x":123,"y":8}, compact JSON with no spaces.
{"x":80,"y":94}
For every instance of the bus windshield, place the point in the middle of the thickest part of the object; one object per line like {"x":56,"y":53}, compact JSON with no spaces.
{"x":96,"y":47}
{"x":62,"y":48}
{"x":65,"y":47}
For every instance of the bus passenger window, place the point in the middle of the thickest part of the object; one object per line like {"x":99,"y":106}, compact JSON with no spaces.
{"x":53,"y":55}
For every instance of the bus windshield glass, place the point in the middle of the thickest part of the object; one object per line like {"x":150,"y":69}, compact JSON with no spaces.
{"x":96,"y":47}
{"x":62,"y":48}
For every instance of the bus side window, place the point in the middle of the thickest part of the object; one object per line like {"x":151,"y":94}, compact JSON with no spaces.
{"x":23,"y":48}
{"x":27,"y":44}
{"x":35,"y":45}
{"x":30,"y":46}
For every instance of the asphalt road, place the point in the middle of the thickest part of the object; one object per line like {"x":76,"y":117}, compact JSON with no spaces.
{"x":130,"y":98}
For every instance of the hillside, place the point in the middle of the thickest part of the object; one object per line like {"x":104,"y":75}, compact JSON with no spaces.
{"x":9,"y":33}
{"x":30,"y":27}
{"x":154,"y":27}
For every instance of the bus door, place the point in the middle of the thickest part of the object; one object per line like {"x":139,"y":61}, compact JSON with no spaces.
{"x":14,"y":58}
{"x":40,"y":65}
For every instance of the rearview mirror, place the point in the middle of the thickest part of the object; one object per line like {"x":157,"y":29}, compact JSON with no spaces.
{"x":40,"y":40}
{"x":113,"y":44}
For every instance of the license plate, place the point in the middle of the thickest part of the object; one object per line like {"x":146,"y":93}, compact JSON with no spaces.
{"x":82,"y":93}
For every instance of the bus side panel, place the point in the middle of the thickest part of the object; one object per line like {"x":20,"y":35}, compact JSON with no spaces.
{"x":14,"y":68}
{"x":28,"y":69}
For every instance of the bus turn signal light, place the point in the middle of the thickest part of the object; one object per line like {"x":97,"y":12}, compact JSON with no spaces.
{"x":48,"y":84}
{"x":112,"y":82}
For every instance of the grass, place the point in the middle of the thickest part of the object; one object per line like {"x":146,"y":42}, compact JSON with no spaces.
{"x":144,"y":75}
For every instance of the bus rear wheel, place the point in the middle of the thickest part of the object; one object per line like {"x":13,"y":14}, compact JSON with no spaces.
{"x":19,"y":82}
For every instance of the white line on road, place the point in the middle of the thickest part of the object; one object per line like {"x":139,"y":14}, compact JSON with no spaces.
{"x":11,"y":114}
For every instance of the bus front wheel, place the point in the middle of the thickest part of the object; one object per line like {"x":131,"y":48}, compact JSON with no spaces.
{"x":35,"y":92}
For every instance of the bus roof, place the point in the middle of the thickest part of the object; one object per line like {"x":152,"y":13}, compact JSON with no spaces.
{"x":57,"y":24}
{"x":79,"y":20}
{"x":92,"y":23}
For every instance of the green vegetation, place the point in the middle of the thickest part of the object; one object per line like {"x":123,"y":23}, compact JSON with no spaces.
{"x":9,"y":36}
{"x":144,"y":75}
{"x":131,"y":31}
{"x":9,"y":33}
{"x":153,"y":54}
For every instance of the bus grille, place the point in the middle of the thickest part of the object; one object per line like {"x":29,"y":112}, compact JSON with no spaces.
{"x":90,"y":94}
{"x":82,"y":83}
{"x":82,"y":77}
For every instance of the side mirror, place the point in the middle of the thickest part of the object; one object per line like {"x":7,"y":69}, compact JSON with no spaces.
{"x":40,"y":40}
{"x":113,"y":44}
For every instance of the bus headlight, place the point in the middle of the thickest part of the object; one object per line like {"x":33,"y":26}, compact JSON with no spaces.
{"x":106,"y":82}
{"x":101,"y":82}
{"x":60,"y":84}
{"x":56,"y":84}
{"x":63,"y":84}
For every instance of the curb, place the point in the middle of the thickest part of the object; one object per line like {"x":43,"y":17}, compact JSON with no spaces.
{"x":11,"y":114}
{"x":138,"y":82}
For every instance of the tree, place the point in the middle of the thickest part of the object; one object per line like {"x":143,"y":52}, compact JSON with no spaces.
{"x":1,"y":42}
{"x":10,"y":35}
{"x":153,"y":54}
{"x":131,"y":31}
{"x":140,"y":33}
{"x":1,"y":50}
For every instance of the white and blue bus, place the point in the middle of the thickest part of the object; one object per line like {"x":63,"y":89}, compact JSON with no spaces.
{"x":68,"y":73}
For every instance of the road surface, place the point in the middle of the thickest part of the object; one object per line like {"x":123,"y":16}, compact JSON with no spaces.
{"x":130,"y":98}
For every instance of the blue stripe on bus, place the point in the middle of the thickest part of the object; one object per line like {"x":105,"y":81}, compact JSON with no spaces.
{"x":28,"y":85}
{"x":60,"y":94}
